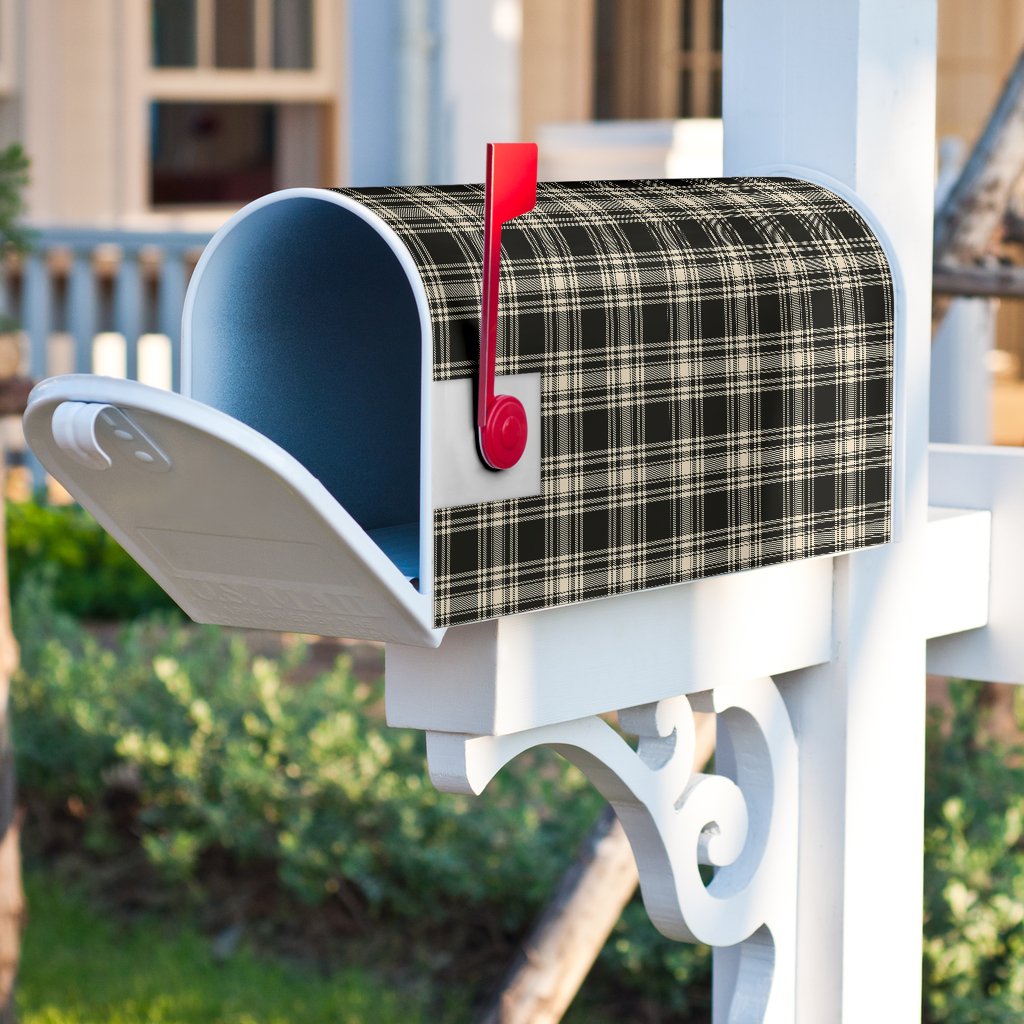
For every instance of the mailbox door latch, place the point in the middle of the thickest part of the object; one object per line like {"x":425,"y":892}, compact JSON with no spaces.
{"x":87,"y":432}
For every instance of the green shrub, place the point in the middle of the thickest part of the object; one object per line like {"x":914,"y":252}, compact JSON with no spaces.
{"x":91,"y":575}
{"x":974,"y":869}
{"x":662,"y":973}
{"x":226,"y":755}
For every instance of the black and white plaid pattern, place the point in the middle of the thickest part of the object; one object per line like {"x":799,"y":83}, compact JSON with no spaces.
{"x":717,"y":381}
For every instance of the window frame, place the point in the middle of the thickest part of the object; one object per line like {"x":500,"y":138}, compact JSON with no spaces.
{"x":319,"y":86}
{"x":262,"y":83}
{"x":8,"y":49}
{"x":650,"y":60}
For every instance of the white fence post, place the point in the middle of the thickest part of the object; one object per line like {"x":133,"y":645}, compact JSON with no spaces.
{"x":82,"y":287}
{"x":128,"y":307}
{"x":74,"y":294}
{"x":960,"y":407}
{"x":849,"y":89}
{"x":170,"y":300}
{"x":960,"y":411}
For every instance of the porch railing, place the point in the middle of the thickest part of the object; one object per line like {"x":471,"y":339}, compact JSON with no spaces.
{"x":98,"y":301}
{"x":102,"y":301}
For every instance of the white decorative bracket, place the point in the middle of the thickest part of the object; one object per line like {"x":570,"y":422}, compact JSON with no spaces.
{"x":497,"y":689}
{"x":990,"y":483}
{"x":743,"y":822}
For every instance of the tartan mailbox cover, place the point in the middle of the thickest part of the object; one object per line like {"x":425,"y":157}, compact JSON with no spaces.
{"x":706,"y":368}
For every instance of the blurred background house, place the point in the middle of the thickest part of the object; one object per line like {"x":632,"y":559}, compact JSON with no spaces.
{"x":172,"y":113}
{"x":149,"y":122}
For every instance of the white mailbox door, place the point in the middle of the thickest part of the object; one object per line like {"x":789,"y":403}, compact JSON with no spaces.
{"x":234,"y":528}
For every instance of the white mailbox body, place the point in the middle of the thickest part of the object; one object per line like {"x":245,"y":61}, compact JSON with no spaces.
{"x":321,"y":473}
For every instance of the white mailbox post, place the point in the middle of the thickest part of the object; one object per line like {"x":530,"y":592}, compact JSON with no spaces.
{"x":849,"y":88}
{"x":743,"y":360}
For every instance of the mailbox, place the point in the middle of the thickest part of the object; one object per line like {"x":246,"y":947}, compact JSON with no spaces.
{"x":704,"y":368}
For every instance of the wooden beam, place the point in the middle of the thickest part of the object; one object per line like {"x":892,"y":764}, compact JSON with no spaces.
{"x":974,"y":209}
{"x":998,"y":282}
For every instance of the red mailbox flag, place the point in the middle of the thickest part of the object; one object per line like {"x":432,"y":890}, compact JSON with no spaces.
{"x":511,"y":190}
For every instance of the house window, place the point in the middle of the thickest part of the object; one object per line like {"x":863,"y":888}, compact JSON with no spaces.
{"x":658,"y":58}
{"x":234,"y":34}
{"x":174,"y":33}
{"x":257,"y":35}
{"x":293,"y":34}
{"x":242,"y":96}
{"x":212,"y":152}
{"x":227,"y":154}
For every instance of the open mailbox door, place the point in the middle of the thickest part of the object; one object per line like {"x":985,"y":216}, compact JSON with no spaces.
{"x":236,"y":530}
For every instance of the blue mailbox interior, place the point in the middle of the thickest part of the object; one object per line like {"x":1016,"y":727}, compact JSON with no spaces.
{"x":304,"y":326}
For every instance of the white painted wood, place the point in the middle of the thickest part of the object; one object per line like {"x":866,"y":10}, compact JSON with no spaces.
{"x":848,"y":89}
{"x":531,"y":670}
{"x":458,"y":475}
{"x":584,"y":150}
{"x":960,"y":409}
{"x":478,"y":55}
{"x":957,"y":584}
{"x":986,"y":478}
{"x":677,"y":819}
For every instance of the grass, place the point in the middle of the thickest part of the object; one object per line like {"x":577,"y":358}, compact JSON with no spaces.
{"x":79,"y":968}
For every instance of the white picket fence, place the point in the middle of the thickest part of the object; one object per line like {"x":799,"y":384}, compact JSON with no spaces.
{"x":102,"y":301}
{"x":99,"y":301}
